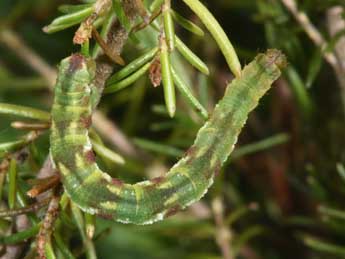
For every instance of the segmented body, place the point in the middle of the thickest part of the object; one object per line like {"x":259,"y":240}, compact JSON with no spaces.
{"x":187,"y":181}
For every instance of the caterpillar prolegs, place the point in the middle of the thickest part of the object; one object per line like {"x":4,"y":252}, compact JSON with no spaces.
{"x":187,"y":181}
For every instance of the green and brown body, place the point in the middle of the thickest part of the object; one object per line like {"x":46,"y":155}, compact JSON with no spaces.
{"x":187,"y":181}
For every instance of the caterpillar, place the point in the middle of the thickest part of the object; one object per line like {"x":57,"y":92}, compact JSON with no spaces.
{"x":95,"y":192}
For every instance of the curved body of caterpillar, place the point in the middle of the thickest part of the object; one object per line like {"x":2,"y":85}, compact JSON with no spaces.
{"x":188,"y":180}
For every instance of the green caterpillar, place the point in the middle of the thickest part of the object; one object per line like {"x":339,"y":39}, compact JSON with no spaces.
{"x":187,"y":181}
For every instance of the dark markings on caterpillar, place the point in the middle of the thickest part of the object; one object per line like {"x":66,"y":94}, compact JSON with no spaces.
{"x":186,"y":182}
{"x":117,"y":182}
{"x":90,"y":156}
{"x":172,"y":211}
{"x":157,"y":180}
{"x":86,"y":121}
{"x":76,"y":63}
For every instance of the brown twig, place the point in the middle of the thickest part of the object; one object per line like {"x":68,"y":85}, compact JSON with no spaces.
{"x":310,"y":29}
{"x":223,"y":234}
{"x":147,"y":22}
{"x":336,"y":24}
{"x":44,"y":235}
{"x":31,"y":208}
{"x":44,"y":185}
{"x":15,"y":43}
{"x":29,"y":126}
{"x":115,"y":58}
{"x":142,"y":10}
{"x":4,"y":165}
{"x":83,"y":34}
{"x":319,"y":41}
{"x":105,"y":127}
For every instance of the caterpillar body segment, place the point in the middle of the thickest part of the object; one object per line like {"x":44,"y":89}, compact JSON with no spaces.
{"x":186,"y":182}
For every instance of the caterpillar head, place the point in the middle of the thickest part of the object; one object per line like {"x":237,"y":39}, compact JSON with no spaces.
{"x":277,"y":57}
